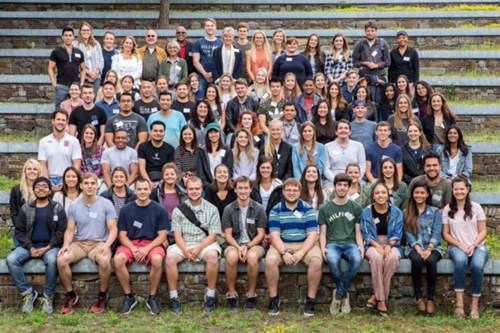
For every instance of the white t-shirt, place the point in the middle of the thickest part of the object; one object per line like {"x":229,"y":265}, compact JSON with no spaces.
{"x":465,"y":231}
{"x":59,"y":154}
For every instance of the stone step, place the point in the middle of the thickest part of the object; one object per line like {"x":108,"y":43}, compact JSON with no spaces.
{"x":432,"y":39}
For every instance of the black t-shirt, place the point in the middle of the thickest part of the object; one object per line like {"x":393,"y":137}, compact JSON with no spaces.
{"x":146,"y":109}
{"x":381,"y":220}
{"x":156,"y":158}
{"x":81,"y":117}
{"x":68,"y":66}
{"x":184,"y":108}
{"x":143,"y":222}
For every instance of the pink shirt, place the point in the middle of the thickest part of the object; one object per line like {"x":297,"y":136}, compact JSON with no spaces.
{"x":465,"y":231}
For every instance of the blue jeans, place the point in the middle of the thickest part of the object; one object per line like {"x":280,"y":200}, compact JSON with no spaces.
{"x":19,"y":256}
{"x":335,"y":253}
{"x":61,"y":94}
{"x":476,"y":262}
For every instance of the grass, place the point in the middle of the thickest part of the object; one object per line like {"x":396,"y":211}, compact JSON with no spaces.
{"x":7,"y":183}
{"x":21,"y":137}
{"x":485,"y":186}
{"x":485,"y":46}
{"x":6,"y":243}
{"x":489,"y":136}
{"x":466,"y":74}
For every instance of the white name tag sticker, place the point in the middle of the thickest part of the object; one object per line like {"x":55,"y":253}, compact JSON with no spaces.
{"x":384,"y":156}
{"x":92,"y":215}
{"x":137,"y":224}
{"x":294,"y":136}
{"x":354,"y":196}
{"x":297,"y":214}
{"x":178,"y":68}
{"x":406,"y":58}
{"x":95,"y":122}
{"x":119,"y":123}
{"x":278,"y":155}
{"x":349,"y":216}
{"x":190,"y":54}
{"x":374,"y":53}
{"x":236,"y":51}
{"x":250,"y":221}
{"x":115,"y":111}
{"x":289,"y":59}
{"x":186,"y":110}
{"x":376,"y":220}
{"x":274,"y":104}
{"x":222,"y":152}
{"x":154,"y":110}
{"x":77,"y":55}
{"x":55,"y":218}
{"x":256,"y":138}
{"x":436,"y":197}
{"x":266,"y":96}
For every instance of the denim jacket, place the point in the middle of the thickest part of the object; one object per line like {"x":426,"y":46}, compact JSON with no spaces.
{"x":464,"y":164}
{"x":431,"y":224}
{"x":394,"y":229}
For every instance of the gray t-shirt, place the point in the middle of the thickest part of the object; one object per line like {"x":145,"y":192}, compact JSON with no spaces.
{"x":132,"y":124}
{"x":244,"y":237}
{"x":91,"y":220}
{"x":119,"y":157}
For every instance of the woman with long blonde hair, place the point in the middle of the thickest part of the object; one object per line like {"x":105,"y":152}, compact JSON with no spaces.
{"x":278,"y":43}
{"x":339,"y":60}
{"x":94,"y":61}
{"x":401,"y":119}
{"x":308,"y":151}
{"x":245,"y":155}
{"x":259,"y":55}
{"x":128,"y":62}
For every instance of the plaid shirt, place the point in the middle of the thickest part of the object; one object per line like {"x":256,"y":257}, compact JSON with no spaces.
{"x":92,"y":163}
{"x":208,"y":216}
{"x":336,"y":68}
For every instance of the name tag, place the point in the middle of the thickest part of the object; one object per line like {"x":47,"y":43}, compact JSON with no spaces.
{"x":95,"y":162}
{"x":250,"y":221}
{"x":178,"y":68}
{"x":336,"y":152}
{"x":265,"y":96}
{"x":274,"y":104}
{"x":77,"y":55}
{"x":374,"y":53}
{"x":376,"y":220}
{"x":92,"y":215}
{"x":190,"y":54}
{"x":115,"y":111}
{"x":95,"y":122}
{"x":222,"y":152}
{"x":154,"y":110}
{"x":297,"y":214}
{"x":278,"y":156}
{"x":236,"y":51}
{"x":186,"y":110}
{"x":295,"y":136}
{"x":256,"y":138}
{"x":384,"y":156}
{"x":88,"y":53}
{"x":289,"y":59}
{"x":406,"y":58}
{"x":55,"y":218}
{"x":354,"y":196}
{"x":137,"y":224}
{"x":119,"y":124}
{"x":436,"y":197}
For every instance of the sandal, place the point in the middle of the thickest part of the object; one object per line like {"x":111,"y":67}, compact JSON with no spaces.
{"x":474,"y":314}
{"x":371,"y":304}
{"x":459,"y":311}
{"x":382,"y":313}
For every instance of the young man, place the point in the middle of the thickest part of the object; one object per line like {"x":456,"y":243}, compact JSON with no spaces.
{"x":244,"y":222}
{"x":147,"y":105}
{"x":271,"y":108}
{"x":291,"y":132}
{"x":109,"y":103}
{"x":203,"y":50}
{"x":186,"y":47}
{"x":350,"y":86}
{"x":69,"y":63}
{"x":142,"y":230}
{"x":90,"y":234}
{"x":362,"y":129}
{"x":294,"y":230}
{"x":239,"y":103}
{"x":152,"y":56}
{"x":39,"y":228}
{"x":441,"y":187}
{"x":306,"y":101}
{"x":182,"y":103}
{"x":132,"y":123}
{"x":154,"y":154}
{"x":341,"y":238}
{"x":59,"y":150}
{"x":404,"y":60}
{"x":88,"y":113}
{"x":195,"y":240}
{"x":173,"y":120}
{"x":120,"y":155}
{"x":383,"y":147}
{"x":243,"y":44}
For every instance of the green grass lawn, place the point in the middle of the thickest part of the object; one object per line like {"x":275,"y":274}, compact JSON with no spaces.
{"x":488,"y":135}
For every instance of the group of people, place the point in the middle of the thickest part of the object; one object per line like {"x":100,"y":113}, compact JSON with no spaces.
{"x":250,"y":150}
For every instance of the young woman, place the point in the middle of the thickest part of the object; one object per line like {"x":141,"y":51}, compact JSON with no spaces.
{"x":292,"y":62}
{"x":339,"y":60}
{"x":413,"y":153}
{"x":110,"y":76}
{"x":248,"y":121}
{"x":363,"y":93}
{"x":226,"y":88}
{"x":259,"y":56}
{"x":456,"y":156}
{"x":421,"y":96}
{"x":169,"y":193}
{"x":403,"y":85}
{"x":320,"y":84}
{"x":91,"y":151}
{"x":195,"y":93}
{"x":312,"y":191}
{"x":382,"y":227}
{"x":216,"y":106}
{"x":186,"y":155}
{"x":201,"y":116}
{"x":354,"y":171}
{"x":259,"y":90}
{"x":174,"y":67}
{"x":94,"y":61}
{"x":127,"y":85}
{"x":401,"y":119}
{"x":315,"y":55}
{"x":308,"y":151}
{"x":245,"y":155}
{"x":265,"y":181}
{"x":291,"y":89}
{"x":438,"y":120}
{"x":278,"y":43}
{"x":423,"y":225}
{"x":338,"y":105}
{"x":220,"y":193}
{"x":119,"y":193}
{"x":70,"y":188}
{"x":387,"y":105}
{"x":464,"y":228}
{"x":279,"y":151}
{"x":161,"y":84}
{"x":74,"y":99}
{"x":325,"y":125}
{"x":389,"y":177}
{"x":128,"y":62}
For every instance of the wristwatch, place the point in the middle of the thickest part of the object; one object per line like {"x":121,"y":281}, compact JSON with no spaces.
{"x":283,"y":252}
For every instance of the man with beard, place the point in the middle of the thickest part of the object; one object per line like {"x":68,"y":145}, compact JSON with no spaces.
{"x":147,"y":105}
{"x":120,"y":155}
{"x":88,"y":113}
{"x":182,"y":102}
{"x":238,"y":104}
{"x":173,"y":120}
{"x":307,"y":101}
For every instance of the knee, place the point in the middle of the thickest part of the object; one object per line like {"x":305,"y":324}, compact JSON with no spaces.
{"x":11,"y":260}
{"x":63,"y":261}
{"x":156,"y":261}
{"x":232,"y":258}
{"x":104,"y":261}
{"x":211,"y":257}
{"x":271,"y":261}
{"x":119,"y":260}
{"x":315,"y":265}
{"x":171,"y":260}
{"x":253,"y":258}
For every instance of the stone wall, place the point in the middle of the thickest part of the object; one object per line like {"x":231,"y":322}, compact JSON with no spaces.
{"x":27,"y":124}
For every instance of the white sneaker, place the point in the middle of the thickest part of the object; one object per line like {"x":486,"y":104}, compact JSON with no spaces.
{"x":345,"y":306}
{"x":335,"y":305}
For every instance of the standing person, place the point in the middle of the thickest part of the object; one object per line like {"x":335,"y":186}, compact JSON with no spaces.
{"x":294,"y":231}
{"x":173,"y":67}
{"x":325,"y":124}
{"x":220,"y":192}
{"x":108,"y":51}
{"x":70,"y":190}
{"x":238,"y":104}
{"x":142,"y":230}
{"x":423,"y":225}
{"x":74,"y":101}
{"x":243,"y":44}
{"x":120,"y":155}
{"x":371,"y":56}
{"x":413,"y":153}
{"x":203,"y":50}
{"x":278,"y":43}
{"x":279,"y":151}
{"x":315,"y":55}
{"x":186,"y":154}
{"x":152,"y":56}
{"x":362,"y":129}
{"x":128,"y":61}
{"x":308,"y":151}
{"x":292,"y":62}
{"x":456,"y":156}
{"x":341,"y":238}
{"x":464,"y":228}
{"x":404,"y":60}
{"x":244,"y":223}
{"x":382,"y":241}
{"x":69,"y":62}
{"x":421,"y":97}
{"x":58,"y":150}
{"x":401,"y":119}
{"x":186,"y":47}
{"x":338,"y":61}
{"x":147,"y":105}
{"x":227,"y":58}
{"x":90,"y":234}
{"x":195,"y":225}
{"x":94,"y":61}
{"x":182,"y":102}
{"x":259,"y":55}
{"x":338,"y":105}
{"x":439,"y":118}
{"x":39,"y":228}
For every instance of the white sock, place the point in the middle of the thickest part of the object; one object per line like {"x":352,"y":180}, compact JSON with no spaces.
{"x":173,"y":294}
{"x":210,"y":292}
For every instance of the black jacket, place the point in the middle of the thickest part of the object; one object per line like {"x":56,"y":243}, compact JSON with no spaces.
{"x":203,"y":170}
{"x":412,"y":165}
{"x":284,"y":167}
{"x":108,"y":194}
{"x":428,"y":126}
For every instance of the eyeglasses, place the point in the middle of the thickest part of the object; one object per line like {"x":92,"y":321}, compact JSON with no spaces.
{"x":150,"y":35}
{"x":41,"y":187}
{"x":180,"y":32}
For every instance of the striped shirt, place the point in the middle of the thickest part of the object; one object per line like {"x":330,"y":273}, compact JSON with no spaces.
{"x":293,"y":225}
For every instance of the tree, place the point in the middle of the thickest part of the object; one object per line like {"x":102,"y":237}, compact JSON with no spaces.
{"x":163,"y":21}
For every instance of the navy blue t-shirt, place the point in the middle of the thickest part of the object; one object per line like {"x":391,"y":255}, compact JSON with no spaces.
{"x":40,"y":236}
{"x":143,"y":222}
{"x":376,"y":154}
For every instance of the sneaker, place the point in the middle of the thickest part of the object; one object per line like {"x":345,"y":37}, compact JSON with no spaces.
{"x":209,"y":305}
{"x":153,"y":305}
{"x":129,"y":302}
{"x":336,"y":304}
{"x":274,"y":306}
{"x":232,"y":303}
{"x":100,"y":305}
{"x":29,"y":301}
{"x":251,"y":303}
{"x":69,"y":304}
{"x":309,"y":307}
{"x":345,"y":306}
{"x":175,"y":305}
{"x":47,"y":306}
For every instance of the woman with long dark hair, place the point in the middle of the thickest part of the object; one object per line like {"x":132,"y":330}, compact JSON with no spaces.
{"x":325,"y":125}
{"x":314,"y":54}
{"x":387,"y":105}
{"x":401,"y":119}
{"x":220,"y":192}
{"x":186,"y":155}
{"x":201,"y":116}
{"x":91,"y":151}
{"x":438,"y":120}
{"x":312,"y":191}
{"x":389,"y":177}
{"x":413,"y":153}
{"x":456,"y":156}
{"x":339,"y":60}
{"x":119,"y":193}
{"x":216,"y":106}
{"x":70,"y":188}
{"x":338,"y":105}
{"x":421,"y":96}
{"x":266,"y":181}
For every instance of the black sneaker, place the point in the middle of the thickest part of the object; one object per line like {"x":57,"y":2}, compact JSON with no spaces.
{"x":251,"y":303}
{"x":232,"y":303}
{"x":129,"y":302}
{"x":274,"y":306}
{"x":175,"y":305}
{"x":209,"y":305}
{"x":153,"y":305}
{"x":309,"y":307}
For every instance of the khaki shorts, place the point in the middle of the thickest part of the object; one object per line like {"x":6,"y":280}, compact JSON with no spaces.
{"x":85,"y":249}
{"x":212,"y":247}
{"x":257,"y":248}
{"x":314,"y":252}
